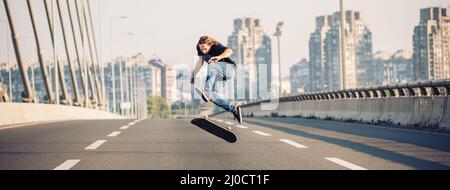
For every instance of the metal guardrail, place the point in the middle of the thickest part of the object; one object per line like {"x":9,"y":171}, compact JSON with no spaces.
{"x":416,"y":89}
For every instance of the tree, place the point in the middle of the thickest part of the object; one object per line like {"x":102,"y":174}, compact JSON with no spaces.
{"x":157,"y":107}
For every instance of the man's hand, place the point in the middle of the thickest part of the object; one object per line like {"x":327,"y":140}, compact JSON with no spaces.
{"x":214,"y":59}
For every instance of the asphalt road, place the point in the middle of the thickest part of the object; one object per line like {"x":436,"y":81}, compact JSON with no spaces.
{"x":263,"y":143}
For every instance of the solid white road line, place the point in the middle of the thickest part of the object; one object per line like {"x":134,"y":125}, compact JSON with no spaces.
{"x":220,"y":120}
{"x":27,"y":124}
{"x":124,"y":127}
{"x":262,"y":133}
{"x":242,"y":127}
{"x":293,"y":143}
{"x":228,"y":123}
{"x":131,"y":123}
{"x":95,"y":145}
{"x":113,"y":134}
{"x":67,"y":165}
{"x":346,"y":164}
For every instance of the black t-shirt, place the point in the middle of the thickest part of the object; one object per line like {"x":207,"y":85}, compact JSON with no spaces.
{"x":215,"y":50}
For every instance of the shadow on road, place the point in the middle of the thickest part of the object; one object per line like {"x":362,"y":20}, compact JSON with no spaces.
{"x":411,"y":161}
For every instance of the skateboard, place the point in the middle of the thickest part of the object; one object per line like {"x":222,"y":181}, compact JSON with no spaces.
{"x":215,"y":129}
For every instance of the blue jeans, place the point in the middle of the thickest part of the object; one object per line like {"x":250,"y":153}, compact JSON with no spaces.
{"x":220,"y":71}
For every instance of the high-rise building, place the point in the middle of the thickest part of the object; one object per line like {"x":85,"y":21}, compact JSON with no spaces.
{"x":163,"y":80}
{"x":183,"y":85}
{"x":317,"y":53}
{"x":299,"y":77}
{"x":402,"y":63}
{"x":171,"y":85}
{"x":431,"y":44}
{"x":285,"y":85}
{"x":358,"y":52}
{"x":390,"y":69}
{"x":325,"y":68}
{"x":252,"y":53}
{"x":382,"y":69}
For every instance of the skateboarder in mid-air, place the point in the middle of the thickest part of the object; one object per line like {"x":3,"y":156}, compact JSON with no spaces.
{"x":220,"y":68}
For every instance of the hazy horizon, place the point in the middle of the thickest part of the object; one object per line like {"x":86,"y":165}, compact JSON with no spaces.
{"x":169,"y":29}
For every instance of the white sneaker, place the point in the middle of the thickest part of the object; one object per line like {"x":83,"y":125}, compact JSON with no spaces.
{"x":202,"y":94}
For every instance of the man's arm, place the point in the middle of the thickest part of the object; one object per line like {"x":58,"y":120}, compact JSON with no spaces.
{"x":227,"y":53}
{"x":197,"y":68}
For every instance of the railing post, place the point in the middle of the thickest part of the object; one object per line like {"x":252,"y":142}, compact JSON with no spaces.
{"x":391,"y":91}
{"x":353,"y":94}
{"x":400,"y":91}
{"x":434,"y":88}
{"x":411,"y":92}
{"x":336,"y":95}
{"x":435,"y":91}
{"x":366,"y":94}
{"x":374,"y":92}
{"x":360,"y":94}
{"x":423,"y":91}
{"x":382,"y":93}
{"x":447,"y":88}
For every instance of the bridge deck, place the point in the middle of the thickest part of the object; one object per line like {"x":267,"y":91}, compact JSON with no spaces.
{"x":271,"y":143}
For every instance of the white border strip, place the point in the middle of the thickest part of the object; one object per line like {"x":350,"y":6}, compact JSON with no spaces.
{"x":345,"y":164}
{"x":115,"y":133}
{"x":242,"y":127}
{"x":67,"y":165}
{"x":124,"y":127}
{"x":293,"y":143}
{"x":95,"y":145}
{"x":262,"y":133}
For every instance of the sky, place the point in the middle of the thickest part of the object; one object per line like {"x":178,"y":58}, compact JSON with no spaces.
{"x":169,"y":29}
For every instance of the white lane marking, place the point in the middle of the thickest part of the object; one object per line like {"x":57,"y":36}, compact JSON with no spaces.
{"x":295,"y":144}
{"x":242,"y":127}
{"x":67,"y":165}
{"x":131,"y":123}
{"x":228,"y":123}
{"x":262,"y":133}
{"x":115,"y":133}
{"x":124,"y":127}
{"x":220,"y":120}
{"x":345,"y":164}
{"x":95,"y":145}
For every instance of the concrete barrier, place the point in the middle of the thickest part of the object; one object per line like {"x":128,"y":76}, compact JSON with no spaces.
{"x":17,"y":113}
{"x":425,"y":111}
{"x":445,"y":121}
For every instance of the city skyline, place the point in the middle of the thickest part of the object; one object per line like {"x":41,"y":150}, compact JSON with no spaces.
{"x":160,"y":36}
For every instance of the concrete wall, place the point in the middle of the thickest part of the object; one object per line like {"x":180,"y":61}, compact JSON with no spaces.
{"x":16,"y":113}
{"x":427,"y":111}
